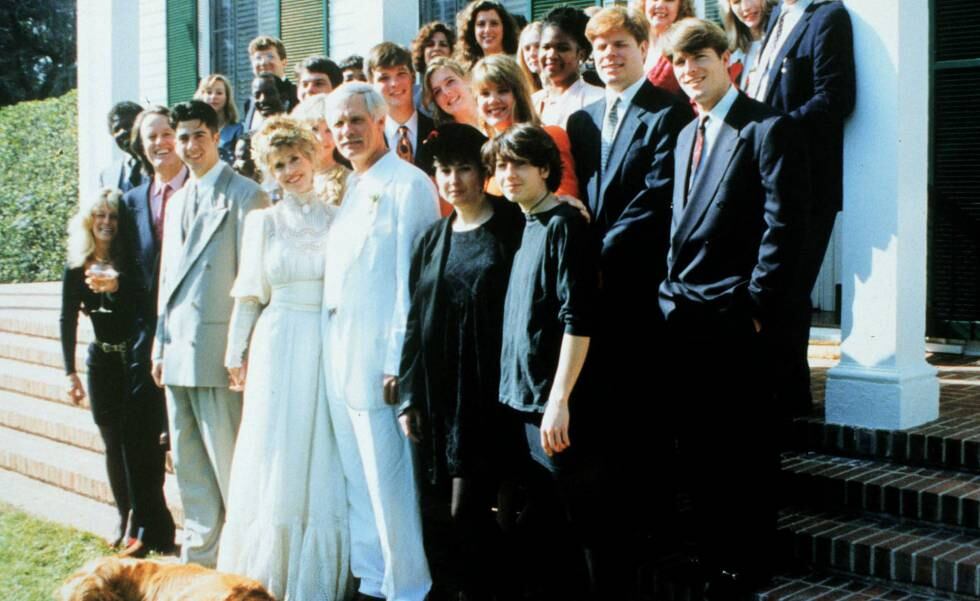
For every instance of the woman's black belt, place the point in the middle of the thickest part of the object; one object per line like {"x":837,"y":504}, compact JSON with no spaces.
{"x":105,"y":347}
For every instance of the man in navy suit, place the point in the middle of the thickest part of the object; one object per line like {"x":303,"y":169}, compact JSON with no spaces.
{"x":390,"y":70}
{"x":623,"y":149}
{"x":141,"y":228}
{"x":741,"y":198}
{"x":806,"y":71}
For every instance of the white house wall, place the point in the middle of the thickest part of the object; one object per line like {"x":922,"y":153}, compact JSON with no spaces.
{"x":153,"y":51}
{"x":107,"y":73}
{"x":357,"y":25}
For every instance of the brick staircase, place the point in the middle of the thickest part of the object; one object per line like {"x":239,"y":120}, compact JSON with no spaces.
{"x":867,"y":514}
{"x":51,"y":455}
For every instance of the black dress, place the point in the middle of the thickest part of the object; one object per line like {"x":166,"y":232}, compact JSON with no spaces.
{"x":451,"y":357}
{"x":132,"y":451}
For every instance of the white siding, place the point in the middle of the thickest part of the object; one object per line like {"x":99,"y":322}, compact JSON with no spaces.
{"x":204,"y":37}
{"x":355,"y":26}
{"x":268,"y":17}
{"x":153,"y":51}
{"x":107,"y":73}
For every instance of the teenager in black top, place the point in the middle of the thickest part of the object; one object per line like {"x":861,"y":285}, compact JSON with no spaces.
{"x":548,"y":315}
{"x":110,"y":299}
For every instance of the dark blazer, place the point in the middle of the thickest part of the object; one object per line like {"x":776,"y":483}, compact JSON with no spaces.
{"x":425,"y":127}
{"x":735,"y":245}
{"x":815,"y":85}
{"x":142,"y":252}
{"x":630,"y":203}
{"x":124,"y":174}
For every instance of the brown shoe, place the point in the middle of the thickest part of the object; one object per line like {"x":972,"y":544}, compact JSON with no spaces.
{"x":135,"y":550}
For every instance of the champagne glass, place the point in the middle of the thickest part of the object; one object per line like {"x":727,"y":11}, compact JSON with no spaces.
{"x":101,"y":270}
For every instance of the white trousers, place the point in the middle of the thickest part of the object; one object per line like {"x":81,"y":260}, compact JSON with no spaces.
{"x":203,"y":428}
{"x":385,"y":526}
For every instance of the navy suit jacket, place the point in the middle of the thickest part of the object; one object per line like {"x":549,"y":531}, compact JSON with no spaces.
{"x":736,"y":237}
{"x":630,"y":202}
{"x":142,"y":252}
{"x":815,"y":85}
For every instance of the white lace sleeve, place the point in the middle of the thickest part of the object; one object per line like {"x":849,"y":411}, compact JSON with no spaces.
{"x":243,"y":318}
{"x":251,"y":289}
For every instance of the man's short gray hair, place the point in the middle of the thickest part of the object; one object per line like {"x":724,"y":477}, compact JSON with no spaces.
{"x":373,"y":100}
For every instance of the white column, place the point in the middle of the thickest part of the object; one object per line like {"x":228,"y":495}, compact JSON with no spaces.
{"x":108,"y":72}
{"x":883,"y":380}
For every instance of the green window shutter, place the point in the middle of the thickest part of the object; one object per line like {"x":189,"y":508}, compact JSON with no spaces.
{"x":181,"y":50}
{"x":540,"y":8}
{"x":711,"y":11}
{"x":304,"y":27}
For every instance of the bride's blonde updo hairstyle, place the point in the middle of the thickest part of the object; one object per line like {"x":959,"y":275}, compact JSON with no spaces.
{"x":280,"y":134}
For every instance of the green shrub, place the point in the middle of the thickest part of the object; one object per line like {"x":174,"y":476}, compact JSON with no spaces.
{"x":38,"y":186}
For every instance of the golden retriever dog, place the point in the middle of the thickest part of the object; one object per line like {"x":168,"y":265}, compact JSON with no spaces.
{"x":119,"y":579}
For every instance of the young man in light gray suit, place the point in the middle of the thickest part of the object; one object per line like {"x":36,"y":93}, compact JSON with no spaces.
{"x":203,"y":222}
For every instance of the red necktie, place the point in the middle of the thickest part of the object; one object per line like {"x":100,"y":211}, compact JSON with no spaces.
{"x":158,"y":226}
{"x":696,"y":154}
{"x":404,"y":145}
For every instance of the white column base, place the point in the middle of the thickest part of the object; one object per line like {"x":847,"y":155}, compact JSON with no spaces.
{"x":885,"y":399}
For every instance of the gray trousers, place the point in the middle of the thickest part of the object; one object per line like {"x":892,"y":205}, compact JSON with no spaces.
{"x":203,"y":427}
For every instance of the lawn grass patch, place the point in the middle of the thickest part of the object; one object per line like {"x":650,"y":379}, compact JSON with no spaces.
{"x":36,"y":555}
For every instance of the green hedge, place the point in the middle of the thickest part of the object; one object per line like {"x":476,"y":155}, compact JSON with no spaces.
{"x":38,"y":186}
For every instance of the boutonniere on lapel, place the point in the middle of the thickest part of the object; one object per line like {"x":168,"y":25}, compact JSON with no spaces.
{"x":374,"y":198}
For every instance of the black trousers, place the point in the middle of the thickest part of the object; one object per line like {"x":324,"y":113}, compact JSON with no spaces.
{"x":562,"y":538}
{"x":724,"y":418}
{"x":135,"y":461}
{"x":788,"y":349}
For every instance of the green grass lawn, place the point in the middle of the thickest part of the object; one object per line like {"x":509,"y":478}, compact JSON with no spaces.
{"x":36,"y":555}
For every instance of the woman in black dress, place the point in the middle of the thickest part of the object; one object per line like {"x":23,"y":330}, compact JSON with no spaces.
{"x":451,"y":364}
{"x":92,"y":285}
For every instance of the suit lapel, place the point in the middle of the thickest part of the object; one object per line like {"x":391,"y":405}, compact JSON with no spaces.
{"x":149,"y":245}
{"x":793,"y":37}
{"x":711,"y":175}
{"x":682,"y":161}
{"x":211,"y":214}
{"x":593,"y":145}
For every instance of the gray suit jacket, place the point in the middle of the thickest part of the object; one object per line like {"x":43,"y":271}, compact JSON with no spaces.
{"x":197,"y":270}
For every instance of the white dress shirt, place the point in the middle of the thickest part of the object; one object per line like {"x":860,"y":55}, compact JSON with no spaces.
{"x":391,"y":131}
{"x":625,"y":99}
{"x":555,"y":109}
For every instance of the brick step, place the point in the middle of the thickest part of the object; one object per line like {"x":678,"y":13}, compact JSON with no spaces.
{"x":77,"y":470}
{"x":823,"y":586}
{"x":939,"y":558}
{"x":38,"y":350}
{"x":33,"y":380}
{"x":951,"y":442}
{"x":55,"y":421}
{"x":39,"y":322}
{"x":943,"y":497}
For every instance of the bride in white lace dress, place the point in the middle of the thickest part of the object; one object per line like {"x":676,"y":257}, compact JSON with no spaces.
{"x":286,"y":522}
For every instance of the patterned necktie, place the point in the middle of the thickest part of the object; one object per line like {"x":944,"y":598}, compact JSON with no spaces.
{"x":609,"y":131}
{"x":403,"y":145}
{"x":697,"y":154}
{"x":757,"y":85}
{"x":158,"y":226}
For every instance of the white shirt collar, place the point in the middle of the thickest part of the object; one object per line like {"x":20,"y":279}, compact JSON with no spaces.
{"x":209,"y":179}
{"x":391,"y":129}
{"x":794,"y":9}
{"x":626,"y":96}
{"x":175,"y":183}
{"x":720,"y":110}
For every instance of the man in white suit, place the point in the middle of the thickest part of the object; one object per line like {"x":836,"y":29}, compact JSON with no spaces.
{"x":203,"y":224}
{"x":388,"y":203}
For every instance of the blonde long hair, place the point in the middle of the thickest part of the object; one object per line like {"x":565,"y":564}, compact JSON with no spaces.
{"x":81,"y":243}
{"x":503,"y":71}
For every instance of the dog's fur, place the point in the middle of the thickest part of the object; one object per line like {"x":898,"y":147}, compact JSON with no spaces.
{"x":118,"y":579}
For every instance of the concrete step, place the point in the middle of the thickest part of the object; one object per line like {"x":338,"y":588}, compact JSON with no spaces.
{"x":943,"y":559}
{"x":941,"y":497}
{"x":71,"y":468}
{"x":56,"y":421}
{"x":58,"y":505}
{"x":38,"y":350}
{"x":34,"y":380}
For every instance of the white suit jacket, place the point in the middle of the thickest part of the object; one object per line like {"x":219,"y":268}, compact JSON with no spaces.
{"x":368,"y":258}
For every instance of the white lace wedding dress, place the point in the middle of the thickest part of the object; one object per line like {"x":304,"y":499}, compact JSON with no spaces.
{"x":286,"y":519}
